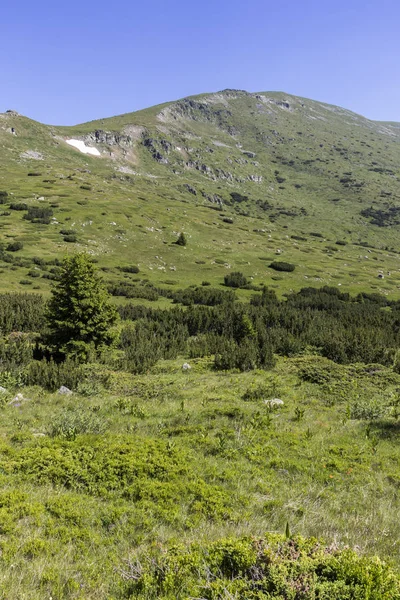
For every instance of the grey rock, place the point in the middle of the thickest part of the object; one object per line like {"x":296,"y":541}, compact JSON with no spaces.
{"x":274,"y":402}
{"x":111,"y":138}
{"x":190,"y":189}
{"x":64,"y":390}
{"x":186,"y":367}
{"x":17,"y":401}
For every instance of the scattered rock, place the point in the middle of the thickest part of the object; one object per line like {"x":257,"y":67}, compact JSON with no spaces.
{"x":32,"y":154}
{"x":274,"y":402}
{"x":186,"y":367}
{"x":190,"y":189}
{"x":64,"y":390}
{"x":17,"y":400}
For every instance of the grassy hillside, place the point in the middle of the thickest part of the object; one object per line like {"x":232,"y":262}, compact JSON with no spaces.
{"x":247,"y":177}
{"x":151,"y":478}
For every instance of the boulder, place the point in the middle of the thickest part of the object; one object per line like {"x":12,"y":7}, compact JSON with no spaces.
{"x":64,"y":390}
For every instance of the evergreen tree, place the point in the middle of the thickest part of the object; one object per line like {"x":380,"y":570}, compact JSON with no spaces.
{"x":79,"y":314}
{"x":181,"y":241}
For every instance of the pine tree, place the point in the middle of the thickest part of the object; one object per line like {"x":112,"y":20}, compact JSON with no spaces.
{"x":79,"y":314}
{"x":181,"y":241}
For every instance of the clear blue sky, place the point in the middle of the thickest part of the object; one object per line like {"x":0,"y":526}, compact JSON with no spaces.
{"x":65,"y":62}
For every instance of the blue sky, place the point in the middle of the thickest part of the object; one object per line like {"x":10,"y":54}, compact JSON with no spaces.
{"x":74,"y":61}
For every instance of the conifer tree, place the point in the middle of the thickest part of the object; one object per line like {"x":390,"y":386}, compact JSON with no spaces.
{"x":79,"y":314}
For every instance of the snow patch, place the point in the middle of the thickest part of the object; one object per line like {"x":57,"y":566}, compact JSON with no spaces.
{"x":81,"y":146}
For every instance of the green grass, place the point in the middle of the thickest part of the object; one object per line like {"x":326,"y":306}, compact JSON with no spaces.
{"x":192,"y":456}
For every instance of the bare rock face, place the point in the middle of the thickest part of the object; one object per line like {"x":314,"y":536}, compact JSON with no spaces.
{"x":154,"y":148}
{"x":110,"y":138}
{"x":190,"y":189}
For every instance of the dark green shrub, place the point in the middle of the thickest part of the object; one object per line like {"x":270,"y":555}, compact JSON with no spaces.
{"x":67,"y":231}
{"x":235,"y":280}
{"x":128,"y":290}
{"x":3,"y":197}
{"x":14,"y":246}
{"x":18,"y":206}
{"x":129,"y":269}
{"x":282,"y":266}
{"x":52,"y":376}
{"x":21,"y":312}
{"x":39,"y":214}
{"x":15,"y":350}
{"x":181,"y":241}
{"x":70,"y":238}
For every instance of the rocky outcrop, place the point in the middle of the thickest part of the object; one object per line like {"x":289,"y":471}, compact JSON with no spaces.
{"x":214,"y":199}
{"x":109,"y":138}
{"x":190,"y":189}
{"x":153,"y":146}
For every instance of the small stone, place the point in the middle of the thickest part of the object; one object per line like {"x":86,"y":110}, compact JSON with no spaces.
{"x":64,"y":390}
{"x":3,"y":390}
{"x":186,"y":367}
{"x":17,"y":400}
{"x":274,"y":402}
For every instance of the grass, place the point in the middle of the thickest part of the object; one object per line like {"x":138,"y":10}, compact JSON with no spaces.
{"x":191,"y":456}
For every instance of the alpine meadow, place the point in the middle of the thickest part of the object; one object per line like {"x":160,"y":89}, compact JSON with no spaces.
{"x":200,"y":353}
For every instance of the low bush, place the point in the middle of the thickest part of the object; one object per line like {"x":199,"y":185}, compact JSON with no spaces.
{"x":129,"y":269}
{"x":270,"y":568}
{"x":39,"y":214}
{"x":14,"y":246}
{"x":51,"y":375}
{"x":235,"y":280}
{"x":18,"y":206}
{"x":282,"y":266}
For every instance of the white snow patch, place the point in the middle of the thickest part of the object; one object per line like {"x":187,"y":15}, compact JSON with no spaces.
{"x":81,"y":146}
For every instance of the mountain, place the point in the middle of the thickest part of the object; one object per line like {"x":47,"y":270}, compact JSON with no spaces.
{"x":250,"y":178}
